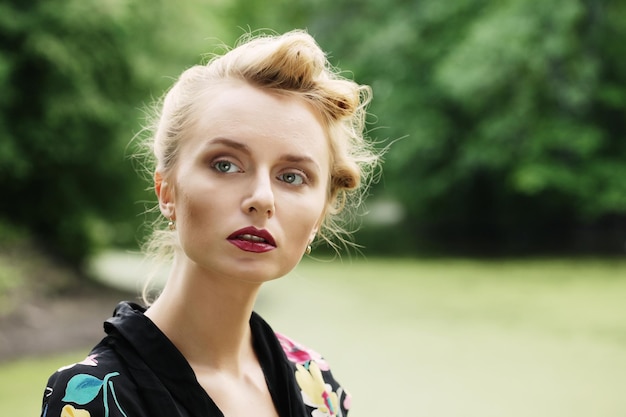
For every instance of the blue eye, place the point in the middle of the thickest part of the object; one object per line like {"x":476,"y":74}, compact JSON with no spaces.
{"x":292,"y":178}
{"x":226,"y":166}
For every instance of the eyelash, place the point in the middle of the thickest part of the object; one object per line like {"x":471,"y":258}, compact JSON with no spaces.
{"x":217,"y":162}
{"x":303,"y":176}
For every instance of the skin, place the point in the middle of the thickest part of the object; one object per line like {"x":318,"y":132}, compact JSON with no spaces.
{"x":252,"y":158}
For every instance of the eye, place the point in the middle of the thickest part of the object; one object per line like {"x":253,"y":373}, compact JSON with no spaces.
{"x":292,"y":178}
{"x":225,"y":166}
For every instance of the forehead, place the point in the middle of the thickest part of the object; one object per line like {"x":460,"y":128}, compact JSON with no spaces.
{"x":265,"y":120}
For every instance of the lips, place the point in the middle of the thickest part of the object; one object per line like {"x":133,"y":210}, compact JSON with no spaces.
{"x":251,"y":239}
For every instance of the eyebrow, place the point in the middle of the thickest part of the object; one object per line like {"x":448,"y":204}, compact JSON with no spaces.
{"x":298,"y":159}
{"x":246,"y":149}
{"x":231,"y":144}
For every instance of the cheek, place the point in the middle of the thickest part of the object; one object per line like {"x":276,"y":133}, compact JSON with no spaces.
{"x":195,"y":211}
{"x":309,"y":215}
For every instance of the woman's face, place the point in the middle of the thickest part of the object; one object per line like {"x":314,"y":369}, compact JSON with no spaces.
{"x":248,"y":190}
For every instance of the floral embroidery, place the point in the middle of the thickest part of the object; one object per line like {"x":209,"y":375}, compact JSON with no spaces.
{"x":316,"y":392}
{"x":299,"y":354}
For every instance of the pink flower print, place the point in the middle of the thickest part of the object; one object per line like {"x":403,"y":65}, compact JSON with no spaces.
{"x":300,"y":354}
{"x":347,"y":401}
{"x":89,"y":361}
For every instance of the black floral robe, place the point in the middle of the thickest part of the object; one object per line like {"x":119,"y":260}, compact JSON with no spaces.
{"x":136,"y":371}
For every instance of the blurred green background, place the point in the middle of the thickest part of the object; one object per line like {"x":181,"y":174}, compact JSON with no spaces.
{"x":507,"y":126}
{"x":507,"y":116}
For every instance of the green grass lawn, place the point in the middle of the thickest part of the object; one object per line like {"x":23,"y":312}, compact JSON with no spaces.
{"x":22,"y":383}
{"x":441,"y":338}
{"x":452,"y":338}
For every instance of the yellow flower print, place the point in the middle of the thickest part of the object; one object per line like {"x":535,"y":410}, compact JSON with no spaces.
{"x":69,"y":411}
{"x":315,"y":392}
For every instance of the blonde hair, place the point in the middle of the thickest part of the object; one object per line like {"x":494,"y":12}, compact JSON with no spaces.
{"x":291,"y":64}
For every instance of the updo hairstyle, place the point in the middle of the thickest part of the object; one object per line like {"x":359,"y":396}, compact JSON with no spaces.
{"x":291,"y":64}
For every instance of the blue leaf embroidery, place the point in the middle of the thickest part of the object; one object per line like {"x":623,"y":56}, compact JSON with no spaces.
{"x":82,"y":389}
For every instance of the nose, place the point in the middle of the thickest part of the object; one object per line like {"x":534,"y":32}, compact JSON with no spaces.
{"x":260,"y":200}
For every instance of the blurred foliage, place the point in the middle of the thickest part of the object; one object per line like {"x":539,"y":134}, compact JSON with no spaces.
{"x":512,"y":114}
{"x":509,"y":114}
{"x":76,"y":76}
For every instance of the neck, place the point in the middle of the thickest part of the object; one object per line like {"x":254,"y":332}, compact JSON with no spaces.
{"x":207,"y":318}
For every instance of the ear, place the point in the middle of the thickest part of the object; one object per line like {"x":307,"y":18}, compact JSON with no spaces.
{"x":165,"y":194}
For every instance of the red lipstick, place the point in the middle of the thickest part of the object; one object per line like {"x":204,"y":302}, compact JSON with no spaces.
{"x":251,"y":239}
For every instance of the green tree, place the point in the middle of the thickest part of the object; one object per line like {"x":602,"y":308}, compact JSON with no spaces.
{"x":541,"y":146}
{"x":66,"y":86}
{"x":75,"y":77}
{"x":513,"y":113}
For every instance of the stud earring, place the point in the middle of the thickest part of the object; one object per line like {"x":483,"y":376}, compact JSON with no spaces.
{"x":171,"y":224}
{"x":308,"y":249}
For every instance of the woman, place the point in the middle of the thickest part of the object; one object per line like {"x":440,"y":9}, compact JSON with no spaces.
{"x":256,"y":153}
